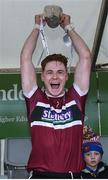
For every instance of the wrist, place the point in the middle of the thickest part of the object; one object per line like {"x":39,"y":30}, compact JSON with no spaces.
{"x":69,"y":27}
{"x":36,"y":26}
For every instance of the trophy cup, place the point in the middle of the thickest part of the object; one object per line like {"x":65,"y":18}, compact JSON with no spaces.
{"x":52,"y":15}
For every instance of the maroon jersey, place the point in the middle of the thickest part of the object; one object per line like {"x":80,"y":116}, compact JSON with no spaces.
{"x":56,"y":127}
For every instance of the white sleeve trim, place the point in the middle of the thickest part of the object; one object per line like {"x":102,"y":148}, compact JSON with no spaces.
{"x":79,"y":91}
{"x":28,"y":95}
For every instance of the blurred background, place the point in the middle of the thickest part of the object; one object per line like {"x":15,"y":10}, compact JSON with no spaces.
{"x":17,"y":21}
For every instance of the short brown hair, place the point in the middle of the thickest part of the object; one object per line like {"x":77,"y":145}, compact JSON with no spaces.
{"x":54,"y":57}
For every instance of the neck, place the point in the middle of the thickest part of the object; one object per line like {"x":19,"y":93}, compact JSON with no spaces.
{"x":91,"y":168}
{"x":49,"y":95}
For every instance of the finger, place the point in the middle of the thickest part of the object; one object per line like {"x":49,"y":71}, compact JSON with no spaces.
{"x":62,"y":18}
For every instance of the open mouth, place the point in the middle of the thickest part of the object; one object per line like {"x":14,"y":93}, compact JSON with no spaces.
{"x":93,"y":162}
{"x":55,"y":86}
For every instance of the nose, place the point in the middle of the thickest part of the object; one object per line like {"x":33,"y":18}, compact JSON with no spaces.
{"x":92,"y":155}
{"x":54,"y":75}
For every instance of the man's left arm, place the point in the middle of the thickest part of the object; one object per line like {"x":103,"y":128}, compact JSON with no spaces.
{"x":83,"y":67}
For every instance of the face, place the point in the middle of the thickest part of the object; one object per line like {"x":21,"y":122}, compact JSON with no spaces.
{"x":54,"y":78}
{"x":92,"y":158}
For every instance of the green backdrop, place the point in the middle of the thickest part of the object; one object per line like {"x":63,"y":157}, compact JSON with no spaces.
{"x":13,"y":119}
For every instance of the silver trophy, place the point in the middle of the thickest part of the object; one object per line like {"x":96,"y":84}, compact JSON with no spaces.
{"x":52,"y":15}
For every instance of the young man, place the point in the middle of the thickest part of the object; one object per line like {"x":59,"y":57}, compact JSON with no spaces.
{"x":95,"y":168}
{"x":55,"y":116}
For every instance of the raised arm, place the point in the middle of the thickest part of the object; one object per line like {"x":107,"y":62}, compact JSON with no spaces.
{"x":83,"y":67}
{"x":28,"y":75}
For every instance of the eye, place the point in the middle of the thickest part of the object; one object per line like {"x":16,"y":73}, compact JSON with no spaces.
{"x":88,"y":154}
{"x":49,"y":72}
{"x":96,"y":153}
{"x":60,"y":72}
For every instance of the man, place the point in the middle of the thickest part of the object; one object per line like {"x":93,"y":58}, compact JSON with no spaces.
{"x":55,"y":116}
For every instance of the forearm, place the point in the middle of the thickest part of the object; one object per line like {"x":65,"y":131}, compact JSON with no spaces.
{"x":28,"y":74}
{"x":30,"y":45}
{"x":78,"y":43}
{"x":80,"y":46}
{"x":83,"y":66}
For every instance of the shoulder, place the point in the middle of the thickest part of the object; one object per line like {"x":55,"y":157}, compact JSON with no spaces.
{"x":35,"y":91}
{"x":103,"y":170}
{"x":79,"y":91}
{"x":104,"y":174}
{"x":85,"y":174}
{"x":76,"y":94}
{"x":106,"y":167}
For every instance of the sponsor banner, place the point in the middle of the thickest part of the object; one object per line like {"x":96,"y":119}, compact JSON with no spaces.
{"x":13,"y":119}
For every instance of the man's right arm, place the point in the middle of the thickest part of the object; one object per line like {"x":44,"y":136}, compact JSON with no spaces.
{"x":28,"y":75}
